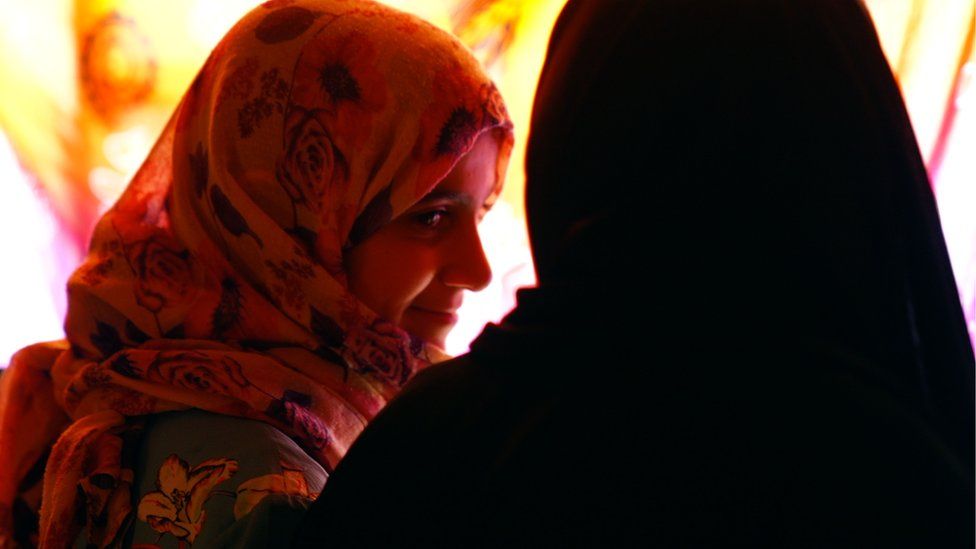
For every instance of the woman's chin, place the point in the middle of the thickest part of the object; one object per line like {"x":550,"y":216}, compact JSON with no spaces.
{"x":430,"y":329}
{"x":438,"y":340}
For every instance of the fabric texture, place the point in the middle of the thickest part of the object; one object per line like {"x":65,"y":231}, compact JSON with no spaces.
{"x":222,"y":481}
{"x":745,"y":332}
{"x":216,"y":281}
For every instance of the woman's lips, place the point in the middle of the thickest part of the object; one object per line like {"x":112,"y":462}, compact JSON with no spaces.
{"x":443,"y":317}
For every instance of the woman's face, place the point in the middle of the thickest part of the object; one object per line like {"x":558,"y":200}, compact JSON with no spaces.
{"x":414,"y":270}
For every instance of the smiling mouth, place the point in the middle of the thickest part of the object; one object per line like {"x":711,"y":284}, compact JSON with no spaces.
{"x":444,"y":317}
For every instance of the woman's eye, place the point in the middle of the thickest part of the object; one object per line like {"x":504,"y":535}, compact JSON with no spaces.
{"x":431,"y":219}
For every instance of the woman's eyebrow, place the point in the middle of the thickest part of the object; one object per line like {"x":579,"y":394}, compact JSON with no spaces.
{"x":464,"y":199}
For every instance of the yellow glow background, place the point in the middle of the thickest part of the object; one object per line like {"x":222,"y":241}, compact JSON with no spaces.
{"x":65,"y":154}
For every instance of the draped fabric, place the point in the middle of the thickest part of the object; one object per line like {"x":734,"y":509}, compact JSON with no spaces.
{"x":769,"y":163}
{"x":217,"y":281}
{"x":745,"y":332}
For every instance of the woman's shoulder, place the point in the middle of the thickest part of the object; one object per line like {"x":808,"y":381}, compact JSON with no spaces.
{"x":199,"y":477}
{"x":199,"y":430}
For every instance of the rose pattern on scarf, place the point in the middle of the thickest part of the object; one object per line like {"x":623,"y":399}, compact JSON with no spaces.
{"x":198,"y":371}
{"x":163,"y":271}
{"x":381,"y":349}
{"x":310,"y":162}
{"x":176,"y":507}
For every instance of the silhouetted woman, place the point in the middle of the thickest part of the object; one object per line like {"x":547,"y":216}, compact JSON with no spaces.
{"x":745,"y":332}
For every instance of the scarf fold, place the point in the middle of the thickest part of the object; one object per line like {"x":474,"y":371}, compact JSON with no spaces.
{"x":217,"y":281}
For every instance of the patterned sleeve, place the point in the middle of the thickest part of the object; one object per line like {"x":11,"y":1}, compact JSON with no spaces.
{"x":208,"y":480}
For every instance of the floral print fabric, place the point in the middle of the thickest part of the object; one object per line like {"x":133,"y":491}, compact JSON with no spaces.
{"x":209,"y":480}
{"x":217,"y":282}
{"x":176,"y":507}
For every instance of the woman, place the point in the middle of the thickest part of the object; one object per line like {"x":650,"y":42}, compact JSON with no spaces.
{"x":745,"y":331}
{"x":293,"y":249}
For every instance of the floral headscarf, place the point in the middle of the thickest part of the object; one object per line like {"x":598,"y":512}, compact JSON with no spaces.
{"x":217,"y":280}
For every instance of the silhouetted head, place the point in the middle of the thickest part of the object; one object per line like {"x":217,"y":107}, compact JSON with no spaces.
{"x":743,"y":172}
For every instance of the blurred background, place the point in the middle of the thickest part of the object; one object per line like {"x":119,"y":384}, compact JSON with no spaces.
{"x":86,"y":85}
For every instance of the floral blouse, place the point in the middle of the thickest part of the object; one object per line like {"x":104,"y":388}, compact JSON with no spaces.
{"x":210,"y":480}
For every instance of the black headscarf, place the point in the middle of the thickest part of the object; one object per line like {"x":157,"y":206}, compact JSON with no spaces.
{"x":743,"y":171}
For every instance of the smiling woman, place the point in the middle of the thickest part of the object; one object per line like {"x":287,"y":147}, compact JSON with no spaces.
{"x":414,"y":271}
{"x":292,"y":251}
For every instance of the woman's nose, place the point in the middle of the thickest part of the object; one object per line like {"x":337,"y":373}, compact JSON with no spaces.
{"x":466,"y":265}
